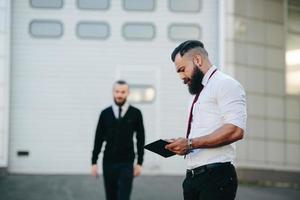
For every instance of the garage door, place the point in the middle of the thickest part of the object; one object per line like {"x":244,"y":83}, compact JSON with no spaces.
{"x":65,"y":56}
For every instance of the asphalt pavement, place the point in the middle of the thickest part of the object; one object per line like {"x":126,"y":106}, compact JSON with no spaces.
{"x":85,"y":187}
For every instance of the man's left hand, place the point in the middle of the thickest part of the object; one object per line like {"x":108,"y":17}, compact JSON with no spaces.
{"x":137,"y":170}
{"x":179,"y":146}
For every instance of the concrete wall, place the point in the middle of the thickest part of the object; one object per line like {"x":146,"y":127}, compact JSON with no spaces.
{"x":255,"y":55}
{"x":4,"y":81}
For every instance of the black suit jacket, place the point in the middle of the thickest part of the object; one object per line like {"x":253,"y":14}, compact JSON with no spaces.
{"x":118,"y":135}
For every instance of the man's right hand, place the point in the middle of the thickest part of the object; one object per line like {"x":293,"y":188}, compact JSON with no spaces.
{"x":178,"y":146}
{"x":95,"y":171}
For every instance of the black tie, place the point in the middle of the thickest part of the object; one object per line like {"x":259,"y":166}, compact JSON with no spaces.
{"x":120,"y":111}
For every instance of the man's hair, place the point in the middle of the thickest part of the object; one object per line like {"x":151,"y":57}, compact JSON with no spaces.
{"x":121,"y":82}
{"x":188,"y":45}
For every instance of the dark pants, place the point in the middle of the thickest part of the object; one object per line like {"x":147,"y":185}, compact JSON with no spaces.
{"x":211,"y":182}
{"x":118,"y":180}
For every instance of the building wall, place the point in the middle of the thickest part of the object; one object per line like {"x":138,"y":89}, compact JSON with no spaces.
{"x":254,"y":51}
{"x":255,"y":55}
{"x":59,"y":85}
{"x":4,"y":66}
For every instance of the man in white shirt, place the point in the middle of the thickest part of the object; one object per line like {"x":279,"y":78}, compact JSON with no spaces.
{"x":217,"y":119}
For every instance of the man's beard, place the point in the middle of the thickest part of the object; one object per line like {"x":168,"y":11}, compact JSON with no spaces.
{"x":119,"y":103}
{"x":196,"y":81}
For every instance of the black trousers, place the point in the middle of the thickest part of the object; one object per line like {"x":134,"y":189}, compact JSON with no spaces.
{"x":118,"y":180}
{"x":211,"y":182}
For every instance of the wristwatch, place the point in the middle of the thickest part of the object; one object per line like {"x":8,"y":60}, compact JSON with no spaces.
{"x":190,"y":144}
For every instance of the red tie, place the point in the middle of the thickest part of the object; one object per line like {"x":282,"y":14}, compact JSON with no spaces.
{"x":191,"y":115}
{"x":192,"y":107}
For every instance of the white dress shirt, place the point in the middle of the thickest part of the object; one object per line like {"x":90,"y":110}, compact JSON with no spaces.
{"x":124,"y":107}
{"x":222,"y":101}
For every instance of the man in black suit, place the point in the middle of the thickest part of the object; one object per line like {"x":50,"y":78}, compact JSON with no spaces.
{"x":117,"y":125}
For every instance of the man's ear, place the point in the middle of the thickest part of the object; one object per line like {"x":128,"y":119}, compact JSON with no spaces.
{"x":197,"y":59}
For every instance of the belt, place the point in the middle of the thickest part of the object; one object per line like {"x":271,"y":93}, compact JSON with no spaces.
{"x":205,"y":168}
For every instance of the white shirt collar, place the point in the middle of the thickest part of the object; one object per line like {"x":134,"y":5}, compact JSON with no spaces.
{"x":124,"y":107}
{"x":207,"y":75}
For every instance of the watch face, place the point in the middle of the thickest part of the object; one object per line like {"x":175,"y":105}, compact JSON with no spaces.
{"x":190,"y":144}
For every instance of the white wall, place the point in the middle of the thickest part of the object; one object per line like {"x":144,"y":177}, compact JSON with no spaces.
{"x":255,"y":39}
{"x":254,"y":51}
{"x":4,"y":79}
{"x":59,"y":86}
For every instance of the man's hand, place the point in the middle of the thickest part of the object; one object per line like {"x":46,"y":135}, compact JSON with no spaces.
{"x":137,"y":170}
{"x":170,"y":140}
{"x":94,"y":171}
{"x":178,"y":146}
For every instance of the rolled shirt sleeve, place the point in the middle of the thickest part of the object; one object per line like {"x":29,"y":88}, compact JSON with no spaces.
{"x":231,"y":99}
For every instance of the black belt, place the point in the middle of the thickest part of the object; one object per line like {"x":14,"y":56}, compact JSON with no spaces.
{"x":205,"y":168}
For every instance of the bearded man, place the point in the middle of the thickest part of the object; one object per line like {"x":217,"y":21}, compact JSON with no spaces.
{"x":217,"y":119}
{"x":117,"y":126}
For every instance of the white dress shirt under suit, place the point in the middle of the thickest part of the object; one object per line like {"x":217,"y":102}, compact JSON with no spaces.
{"x":124,"y":107}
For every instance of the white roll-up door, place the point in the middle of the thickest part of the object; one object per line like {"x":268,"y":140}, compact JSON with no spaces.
{"x":66,"y":54}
